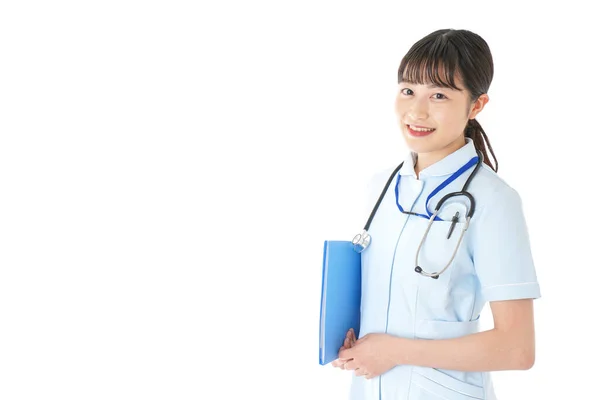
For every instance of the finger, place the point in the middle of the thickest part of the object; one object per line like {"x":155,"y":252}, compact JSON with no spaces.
{"x":348,"y":339}
{"x":360,"y":372}
{"x":342,"y":364}
{"x":351,"y":365}
{"x":351,"y":335}
{"x":338,"y":363}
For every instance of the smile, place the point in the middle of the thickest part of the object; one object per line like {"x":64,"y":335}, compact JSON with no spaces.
{"x":419,"y":132}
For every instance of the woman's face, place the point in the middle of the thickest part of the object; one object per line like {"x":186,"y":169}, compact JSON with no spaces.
{"x":445,"y":110}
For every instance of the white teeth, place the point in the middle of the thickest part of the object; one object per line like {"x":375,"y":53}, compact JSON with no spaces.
{"x":421,"y":129}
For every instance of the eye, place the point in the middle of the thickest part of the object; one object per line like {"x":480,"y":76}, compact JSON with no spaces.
{"x":408,"y":94}
{"x":440,"y":98}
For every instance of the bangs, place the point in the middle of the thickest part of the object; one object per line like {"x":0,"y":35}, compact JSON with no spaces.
{"x":435,"y":63}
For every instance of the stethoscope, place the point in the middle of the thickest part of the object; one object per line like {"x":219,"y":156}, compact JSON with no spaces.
{"x":362,"y":240}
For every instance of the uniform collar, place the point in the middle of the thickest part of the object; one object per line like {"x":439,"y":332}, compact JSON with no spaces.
{"x":446,"y":166}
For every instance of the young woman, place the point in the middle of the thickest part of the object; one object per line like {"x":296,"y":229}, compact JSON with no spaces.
{"x":430,"y":267}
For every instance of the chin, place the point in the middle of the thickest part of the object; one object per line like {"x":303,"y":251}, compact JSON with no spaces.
{"x":419,"y":145}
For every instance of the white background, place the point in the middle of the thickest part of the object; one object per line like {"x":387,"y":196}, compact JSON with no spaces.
{"x":169,"y":171}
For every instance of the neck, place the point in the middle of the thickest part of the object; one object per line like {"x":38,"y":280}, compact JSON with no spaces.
{"x":424,"y":160}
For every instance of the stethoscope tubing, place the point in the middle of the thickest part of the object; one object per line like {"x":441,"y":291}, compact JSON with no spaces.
{"x":362,"y":240}
{"x":463,"y":191}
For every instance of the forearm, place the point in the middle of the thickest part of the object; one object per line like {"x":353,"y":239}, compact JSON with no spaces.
{"x":491,"y":350}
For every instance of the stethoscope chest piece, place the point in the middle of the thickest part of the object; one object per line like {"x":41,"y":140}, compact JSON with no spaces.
{"x":361,"y":241}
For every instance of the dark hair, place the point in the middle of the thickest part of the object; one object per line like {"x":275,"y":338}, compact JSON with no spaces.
{"x":441,"y":56}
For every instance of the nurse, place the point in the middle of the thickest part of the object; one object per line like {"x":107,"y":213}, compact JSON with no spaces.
{"x":419,"y":337}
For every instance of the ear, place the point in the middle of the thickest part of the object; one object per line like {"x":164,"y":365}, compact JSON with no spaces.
{"x":478,"y":105}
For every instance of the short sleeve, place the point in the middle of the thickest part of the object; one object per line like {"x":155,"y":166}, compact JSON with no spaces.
{"x":501,"y":249}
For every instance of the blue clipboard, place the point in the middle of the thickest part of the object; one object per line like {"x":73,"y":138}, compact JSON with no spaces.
{"x":340,"y":297}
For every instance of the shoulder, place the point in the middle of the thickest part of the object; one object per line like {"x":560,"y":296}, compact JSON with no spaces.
{"x":376,"y":182}
{"x":379,"y":177}
{"x":490,"y":190}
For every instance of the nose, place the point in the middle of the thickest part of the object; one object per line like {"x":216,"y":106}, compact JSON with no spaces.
{"x":418,"y":110}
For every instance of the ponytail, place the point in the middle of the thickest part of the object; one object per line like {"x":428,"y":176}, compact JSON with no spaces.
{"x":475,"y":131}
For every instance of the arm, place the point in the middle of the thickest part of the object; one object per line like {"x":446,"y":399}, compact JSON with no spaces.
{"x":504,"y":265}
{"x":510,"y":345}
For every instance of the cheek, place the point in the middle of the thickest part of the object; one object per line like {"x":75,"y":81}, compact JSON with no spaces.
{"x":400,"y":107}
{"x":443,"y":117}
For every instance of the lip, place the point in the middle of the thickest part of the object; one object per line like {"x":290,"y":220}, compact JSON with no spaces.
{"x":416,"y":133}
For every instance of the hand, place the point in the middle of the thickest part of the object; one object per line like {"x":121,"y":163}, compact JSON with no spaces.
{"x":348,"y":343}
{"x":370,"y":356}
